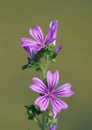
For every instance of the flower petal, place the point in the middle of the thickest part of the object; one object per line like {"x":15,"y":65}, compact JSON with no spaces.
{"x":37,"y":33}
{"x":39,"y":85}
{"x":29,"y":50}
{"x":37,"y":89}
{"x":26,"y":42}
{"x":64,"y":90}
{"x":57,"y":105}
{"x":55,"y":78}
{"x":49,"y":79}
{"x":42,"y":102}
{"x":52,"y":79}
{"x":52,"y":33}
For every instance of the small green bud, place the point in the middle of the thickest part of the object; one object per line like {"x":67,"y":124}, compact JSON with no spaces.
{"x":30,"y":112}
{"x":50,"y":114}
{"x":54,"y":121}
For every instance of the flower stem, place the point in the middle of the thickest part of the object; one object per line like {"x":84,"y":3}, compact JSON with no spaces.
{"x":44,"y":121}
{"x":44,"y":70}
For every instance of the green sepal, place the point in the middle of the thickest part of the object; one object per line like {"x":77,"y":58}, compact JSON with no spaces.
{"x":32,"y":64}
{"x":36,"y":61}
{"x":53,"y":122}
{"x":25,"y":67}
{"x":32,"y":111}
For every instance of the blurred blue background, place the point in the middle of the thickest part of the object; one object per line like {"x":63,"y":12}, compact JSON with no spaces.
{"x":74,"y":61}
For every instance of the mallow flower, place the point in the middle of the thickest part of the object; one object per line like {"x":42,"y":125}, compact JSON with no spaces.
{"x":50,"y":92}
{"x":36,"y":44}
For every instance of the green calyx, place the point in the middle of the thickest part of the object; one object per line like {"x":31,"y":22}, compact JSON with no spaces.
{"x":37,"y":60}
{"x":32,"y":111}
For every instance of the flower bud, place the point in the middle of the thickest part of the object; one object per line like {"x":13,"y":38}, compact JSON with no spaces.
{"x":58,"y":49}
{"x":53,"y":127}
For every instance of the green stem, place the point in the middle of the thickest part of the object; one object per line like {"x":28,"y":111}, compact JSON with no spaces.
{"x":44,"y":121}
{"x":44,"y":70}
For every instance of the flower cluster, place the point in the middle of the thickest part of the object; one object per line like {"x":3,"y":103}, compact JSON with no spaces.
{"x":39,"y":42}
{"x":49,"y":88}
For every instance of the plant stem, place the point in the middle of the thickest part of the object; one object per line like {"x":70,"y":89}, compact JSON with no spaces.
{"x":44,"y":121}
{"x":44,"y":70}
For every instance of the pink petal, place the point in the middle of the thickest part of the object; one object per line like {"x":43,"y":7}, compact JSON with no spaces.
{"x":38,"y":89}
{"x":40,"y":84}
{"x":52,"y":33}
{"x":37,"y":33}
{"x":64,"y":90}
{"x":49,"y":79}
{"x":55,"y":78}
{"x":42,"y":102}
{"x":57,"y":105}
{"x":29,"y":50}
{"x":26,"y":42}
{"x":52,"y":79}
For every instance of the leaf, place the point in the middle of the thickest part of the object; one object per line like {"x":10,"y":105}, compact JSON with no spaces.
{"x":25,"y":67}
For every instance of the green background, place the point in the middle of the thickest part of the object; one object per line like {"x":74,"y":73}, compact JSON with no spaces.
{"x":74,"y":61}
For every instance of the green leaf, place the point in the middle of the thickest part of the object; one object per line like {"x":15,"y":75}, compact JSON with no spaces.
{"x":25,"y":67}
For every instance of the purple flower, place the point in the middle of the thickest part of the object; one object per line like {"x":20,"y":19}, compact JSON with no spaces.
{"x":53,"y":127}
{"x":50,"y":92}
{"x":39,"y":42}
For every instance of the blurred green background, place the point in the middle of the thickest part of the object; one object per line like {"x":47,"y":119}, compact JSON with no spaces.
{"x":74,"y":61}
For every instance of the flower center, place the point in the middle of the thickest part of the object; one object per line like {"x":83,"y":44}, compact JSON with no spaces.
{"x":49,"y":94}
